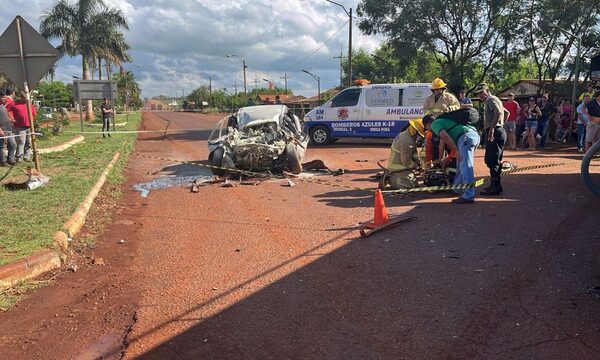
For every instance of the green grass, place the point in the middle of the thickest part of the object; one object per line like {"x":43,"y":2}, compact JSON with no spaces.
{"x":10,"y":297}
{"x":30,"y":218}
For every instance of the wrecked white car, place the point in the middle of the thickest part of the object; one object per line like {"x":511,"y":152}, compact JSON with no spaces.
{"x":258,"y":138}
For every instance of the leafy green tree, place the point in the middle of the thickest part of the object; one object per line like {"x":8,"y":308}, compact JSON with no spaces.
{"x":55,"y":94}
{"x":459,"y":32}
{"x":129,"y":89}
{"x":549,"y":48}
{"x":113,"y":51}
{"x":83,"y":28}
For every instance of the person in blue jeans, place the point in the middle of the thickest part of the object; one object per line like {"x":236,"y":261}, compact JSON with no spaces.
{"x":542,"y":126}
{"x":582,"y":121}
{"x":464,"y":140}
{"x":6,"y":135}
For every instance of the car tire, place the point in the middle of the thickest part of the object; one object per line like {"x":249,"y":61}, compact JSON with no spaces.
{"x":215,"y":158}
{"x":293,"y":159}
{"x":320,"y":135}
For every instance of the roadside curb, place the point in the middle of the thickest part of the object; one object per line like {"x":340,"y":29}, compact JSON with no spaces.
{"x":62,"y":147}
{"x":99,"y":125}
{"x":46,"y":260}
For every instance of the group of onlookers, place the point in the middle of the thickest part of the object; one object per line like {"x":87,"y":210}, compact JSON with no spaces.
{"x":528,"y":124}
{"x":14,"y":129}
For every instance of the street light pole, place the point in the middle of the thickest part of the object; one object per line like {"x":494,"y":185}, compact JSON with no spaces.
{"x":272,"y":84}
{"x":349,"y":13}
{"x":545,"y":25}
{"x":318,"y":82}
{"x":244,"y":67}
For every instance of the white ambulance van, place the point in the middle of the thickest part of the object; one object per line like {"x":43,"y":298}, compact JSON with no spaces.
{"x":369,"y":111}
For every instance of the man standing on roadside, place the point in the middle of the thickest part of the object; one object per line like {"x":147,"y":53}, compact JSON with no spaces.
{"x":6,"y":134}
{"x":106,"y":112}
{"x":542,"y":127}
{"x":510,"y":125}
{"x":493,"y":125}
{"x":462,"y":140}
{"x":21,"y":126}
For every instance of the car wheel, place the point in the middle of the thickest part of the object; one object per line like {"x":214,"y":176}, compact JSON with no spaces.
{"x":215,"y":158}
{"x":293,"y":159}
{"x":320,"y":135}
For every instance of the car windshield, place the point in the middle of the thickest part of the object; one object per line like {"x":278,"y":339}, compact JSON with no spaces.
{"x":250,"y":114}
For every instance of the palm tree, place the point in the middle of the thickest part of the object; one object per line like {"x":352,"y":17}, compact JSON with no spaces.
{"x":114,"y":51}
{"x":83,"y":28}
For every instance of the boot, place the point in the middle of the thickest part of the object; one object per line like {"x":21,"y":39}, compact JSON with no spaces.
{"x":494,"y":190}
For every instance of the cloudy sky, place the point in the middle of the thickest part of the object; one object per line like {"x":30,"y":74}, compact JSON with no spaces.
{"x":178,"y":45}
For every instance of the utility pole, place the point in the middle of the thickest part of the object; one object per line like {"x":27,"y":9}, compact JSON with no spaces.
{"x":255,"y":81}
{"x":341,"y":57}
{"x":285,"y":77}
{"x":349,"y":13}
{"x":209,"y":93}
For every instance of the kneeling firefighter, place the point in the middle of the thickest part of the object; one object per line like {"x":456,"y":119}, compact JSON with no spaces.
{"x":404,"y":157}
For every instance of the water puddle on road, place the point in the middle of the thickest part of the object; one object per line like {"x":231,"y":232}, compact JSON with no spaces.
{"x":167,"y":182}
{"x":105,"y":346}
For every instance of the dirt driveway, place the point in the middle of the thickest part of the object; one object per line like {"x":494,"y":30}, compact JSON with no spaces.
{"x":272,"y":271}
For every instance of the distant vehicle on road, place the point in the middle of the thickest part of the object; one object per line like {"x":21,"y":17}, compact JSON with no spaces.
{"x":369,"y":111}
{"x":258,"y":138}
{"x":46,"y":113}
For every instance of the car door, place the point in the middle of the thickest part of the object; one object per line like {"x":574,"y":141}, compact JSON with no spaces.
{"x":344,"y":113}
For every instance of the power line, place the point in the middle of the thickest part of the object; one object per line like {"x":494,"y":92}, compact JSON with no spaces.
{"x":319,"y":48}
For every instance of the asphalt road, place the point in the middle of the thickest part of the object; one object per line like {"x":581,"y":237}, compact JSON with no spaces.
{"x":272,"y":271}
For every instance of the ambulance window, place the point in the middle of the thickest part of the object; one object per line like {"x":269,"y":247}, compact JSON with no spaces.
{"x":383,"y":97}
{"x":414,"y":96}
{"x":346,"y":98}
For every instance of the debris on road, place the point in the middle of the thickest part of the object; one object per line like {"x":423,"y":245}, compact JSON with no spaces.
{"x":315,"y":165}
{"x":73,"y":268}
{"x":228,"y":184}
{"x":121,"y":241}
{"x":249,"y":183}
{"x":98,"y":261}
{"x":338,"y":172}
{"x":290,"y":183}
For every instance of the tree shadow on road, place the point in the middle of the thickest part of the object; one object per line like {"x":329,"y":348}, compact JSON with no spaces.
{"x":502,"y":278}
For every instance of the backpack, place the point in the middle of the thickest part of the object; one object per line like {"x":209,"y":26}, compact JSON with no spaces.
{"x":463,"y":116}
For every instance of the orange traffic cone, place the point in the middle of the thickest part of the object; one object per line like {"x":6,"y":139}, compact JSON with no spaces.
{"x":381,"y":214}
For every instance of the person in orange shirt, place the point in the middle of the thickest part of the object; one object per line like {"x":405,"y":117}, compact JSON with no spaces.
{"x":433,"y":158}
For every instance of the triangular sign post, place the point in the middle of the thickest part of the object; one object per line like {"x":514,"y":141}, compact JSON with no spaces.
{"x":25,"y":57}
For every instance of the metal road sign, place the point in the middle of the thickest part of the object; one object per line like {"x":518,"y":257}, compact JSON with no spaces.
{"x":94,"y":89}
{"x":38,"y":55}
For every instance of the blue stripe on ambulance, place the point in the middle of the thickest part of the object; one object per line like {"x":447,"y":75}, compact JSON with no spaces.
{"x":370,"y":128}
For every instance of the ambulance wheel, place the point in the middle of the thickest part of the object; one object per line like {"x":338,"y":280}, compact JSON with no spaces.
{"x":320,"y":135}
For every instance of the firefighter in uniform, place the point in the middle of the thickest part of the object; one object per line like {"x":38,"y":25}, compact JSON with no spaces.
{"x":404,"y":156}
{"x":440,"y":101}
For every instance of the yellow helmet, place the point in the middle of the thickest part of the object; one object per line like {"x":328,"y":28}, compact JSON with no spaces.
{"x":418,"y":125}
{"x":438,"y":84}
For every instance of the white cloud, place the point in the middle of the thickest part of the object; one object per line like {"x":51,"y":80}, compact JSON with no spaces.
{"x":180,"y":45}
